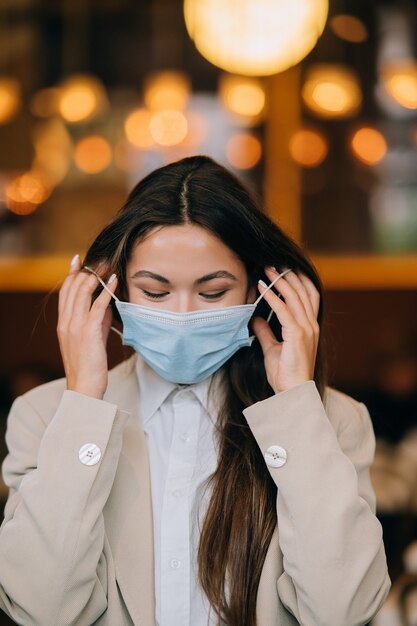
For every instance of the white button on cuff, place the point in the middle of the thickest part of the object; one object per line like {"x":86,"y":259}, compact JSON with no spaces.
{"x":89,"y":454}
{"x":276,"y":456}
{"x":175,"y":564}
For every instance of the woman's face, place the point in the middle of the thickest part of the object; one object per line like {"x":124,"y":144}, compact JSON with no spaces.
{"x":185,"y":268}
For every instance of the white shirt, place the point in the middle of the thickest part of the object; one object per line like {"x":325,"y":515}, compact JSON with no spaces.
{"x":178,"y":421}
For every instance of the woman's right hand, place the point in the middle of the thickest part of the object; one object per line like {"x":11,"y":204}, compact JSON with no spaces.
{"x":83,"y":329}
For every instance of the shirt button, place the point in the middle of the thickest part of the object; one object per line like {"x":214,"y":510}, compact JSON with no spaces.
{"x":176,"y":493}
{"x":89,"y":454}
{"x":185,"y":437}
{"x":276,"y":456}
{"x":175,"y":563}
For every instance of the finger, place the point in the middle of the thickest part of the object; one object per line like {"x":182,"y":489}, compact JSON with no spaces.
{"x":74,"y":269}
{"x":81,"y":306}
{"x":80,"y":291}
{"x":292,"y":298}
{"x":294,"y":280}
{"x":101,"y":303}
{"x":280,"y":308}
{"x":264,"y":334}
{"x":313,"y":293}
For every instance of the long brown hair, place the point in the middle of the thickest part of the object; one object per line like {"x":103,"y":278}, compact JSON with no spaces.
{"x":241,"y":514}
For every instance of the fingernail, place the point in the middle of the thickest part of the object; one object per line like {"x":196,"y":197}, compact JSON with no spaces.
{"x":261,"y":282}
{"x":272,"y":268}
{"x":111,"y":279}
{"x":75,"y":260}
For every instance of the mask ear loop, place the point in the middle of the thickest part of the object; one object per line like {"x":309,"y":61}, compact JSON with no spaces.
{"x":108,"y":291}
{"x":253,"y":337}
{"x":268,"y":288}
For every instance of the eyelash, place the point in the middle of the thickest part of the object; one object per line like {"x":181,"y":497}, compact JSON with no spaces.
{"x":156,"y":296}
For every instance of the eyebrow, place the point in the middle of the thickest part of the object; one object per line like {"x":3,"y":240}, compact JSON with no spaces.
{"x":199,"y":281}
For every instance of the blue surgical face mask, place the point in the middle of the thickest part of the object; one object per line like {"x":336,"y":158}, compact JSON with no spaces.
{"x":186,"y":347}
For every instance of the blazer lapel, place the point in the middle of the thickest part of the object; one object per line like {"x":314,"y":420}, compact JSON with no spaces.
{"x":128,"y":511}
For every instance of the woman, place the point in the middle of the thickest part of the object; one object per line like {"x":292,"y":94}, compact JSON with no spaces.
{"x":212,"y":478}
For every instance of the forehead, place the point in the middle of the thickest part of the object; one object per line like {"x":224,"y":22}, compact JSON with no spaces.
{"x":180,"y":246}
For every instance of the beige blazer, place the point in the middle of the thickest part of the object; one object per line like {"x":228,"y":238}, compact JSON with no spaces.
{"x":76,"y":545}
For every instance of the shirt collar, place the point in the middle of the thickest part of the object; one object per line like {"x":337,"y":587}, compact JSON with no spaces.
{"x":154,"y":390}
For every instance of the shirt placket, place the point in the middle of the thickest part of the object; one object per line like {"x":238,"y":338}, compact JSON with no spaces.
{"x":175,"y":521}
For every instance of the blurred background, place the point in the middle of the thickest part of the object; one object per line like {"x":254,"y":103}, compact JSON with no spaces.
{"x":312,"y":103}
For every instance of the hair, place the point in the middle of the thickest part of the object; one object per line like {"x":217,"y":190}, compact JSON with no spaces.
{"x":241,"y":514}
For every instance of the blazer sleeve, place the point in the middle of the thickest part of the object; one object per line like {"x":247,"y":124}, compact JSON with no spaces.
{"x":53,"y":571}
{"x":335,"y":569}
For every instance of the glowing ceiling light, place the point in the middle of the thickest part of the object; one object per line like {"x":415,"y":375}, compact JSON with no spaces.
{"x":81,"y":97}
{"x":308,"y":147}
{"x":349,"y":28}
{"x":243,"y":96}
{"x":168,"y":128}
{"x":332,"y":91}
{"x":243,"y":151}
{"x":167,"y":90}
{"x":137,"y":128}
{"x":400,"y":81}
{"x":255,"y":37}
{"x":9,"y":98}
{"x":92,"y":154}
{"x":369,"y":145}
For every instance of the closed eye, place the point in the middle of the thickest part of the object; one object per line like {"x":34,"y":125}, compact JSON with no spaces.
{"x":208,"y":296}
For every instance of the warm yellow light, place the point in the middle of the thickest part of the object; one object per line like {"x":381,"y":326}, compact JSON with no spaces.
{"x":197,"y":129}
{"x":308,"y":147}
{"x":53,"y":150}
{"x":243,"y":96}
{"x":349,"y":28}
{"x":92,"y":154}
{"x":9,"y":98}
{"x":81,"y":97}
{"x":25,"y":192}
{"x":243,"y":151}
{"x":168,"y":128}
{"x":137,"y":128}
{"x":332,"y":91}
{"x":45,"y":103}
{"x":167,"y":90}
{"x":369,"y":145}
{"x":255,"y":37}
{"x":400,"y":80}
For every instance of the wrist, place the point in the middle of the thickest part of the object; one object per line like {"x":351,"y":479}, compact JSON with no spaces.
{"x":87,"y":391}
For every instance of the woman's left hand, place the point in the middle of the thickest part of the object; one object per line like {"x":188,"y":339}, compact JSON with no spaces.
{"x":290,"y":362}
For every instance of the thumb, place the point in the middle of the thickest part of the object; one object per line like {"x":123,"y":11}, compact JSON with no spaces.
{"x":263,"y":333}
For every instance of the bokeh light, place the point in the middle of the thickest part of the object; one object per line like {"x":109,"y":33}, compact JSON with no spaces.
{"x":242,"y":95}
{"x":92,"y":154}
{"x":349,"y":28}
{"x":400,"y":81}
{"x":53,"y":150}
{"x":81,"y":97}
{"x":168,"y":128}
{"x":26,"y":192}
{"x":137,"y":128}
{"x":167,"y":90}
{"x":243,"y":151}
{"x":197,"y":129}
{"x":9,"y":98}
{"x":255,"y":37}
{"x":308,"y":147}
{"x":369,"y":145}
{"x":332,"y":91}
